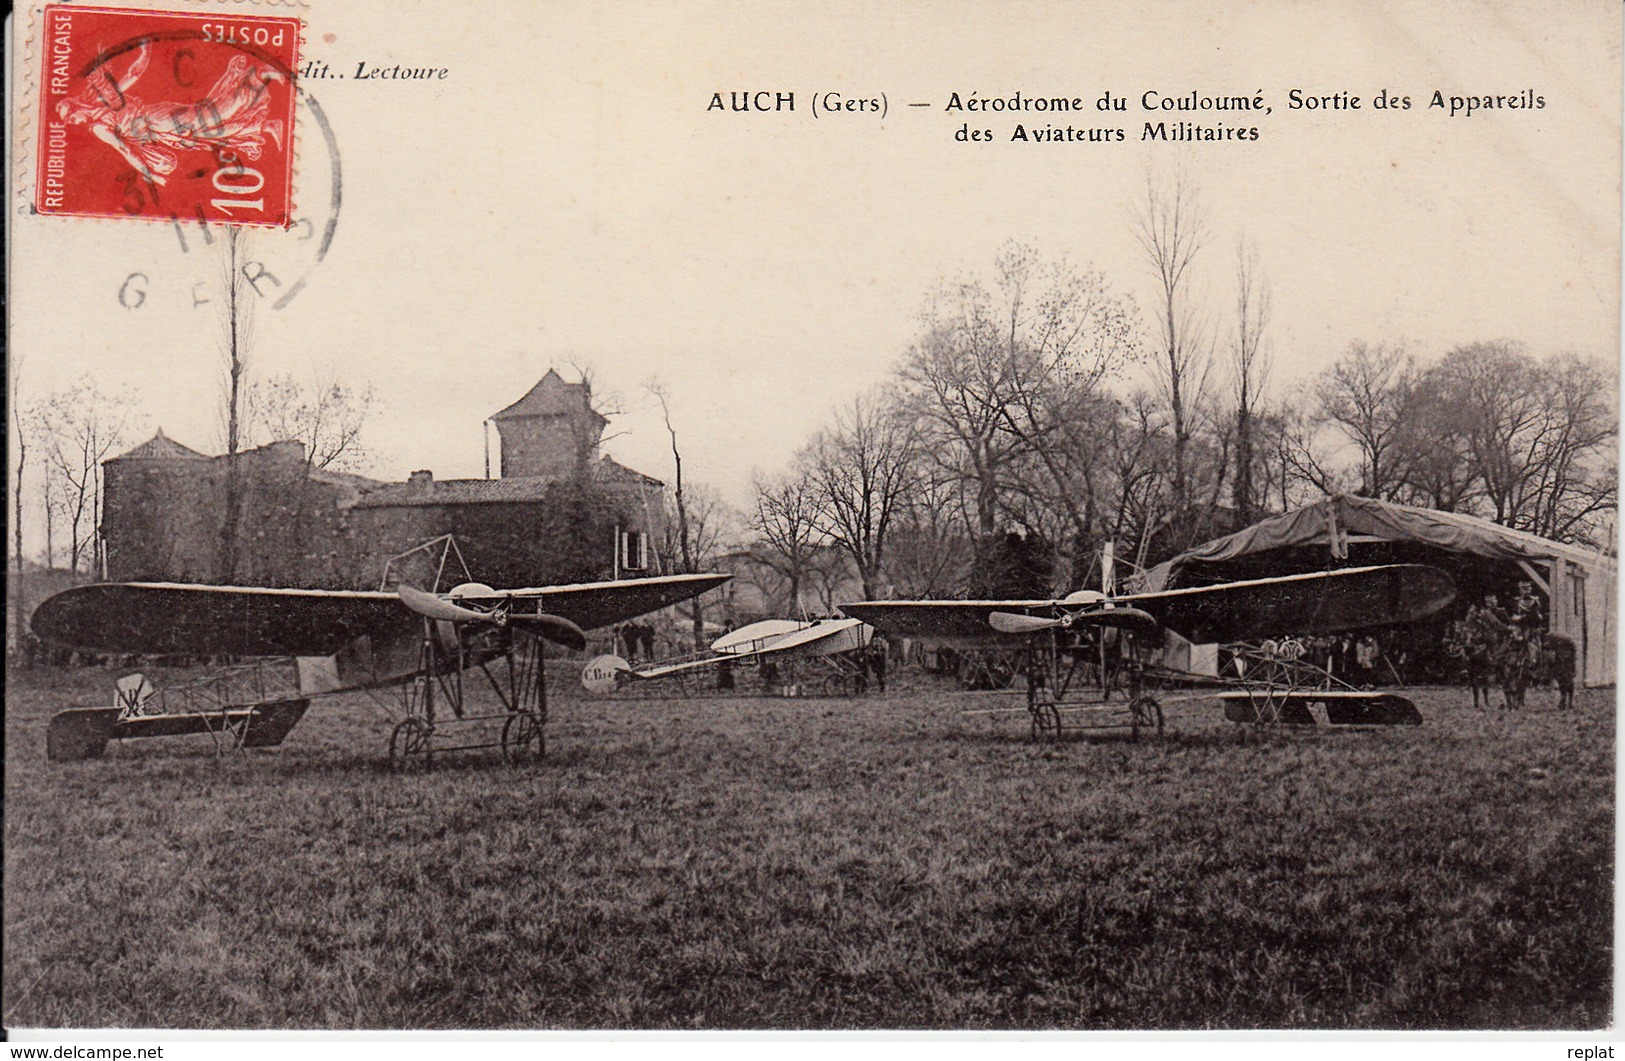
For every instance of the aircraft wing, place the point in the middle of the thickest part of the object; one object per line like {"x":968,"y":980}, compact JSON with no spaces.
{"x":821,"y":639}
{"x":1319,"y":602}
{"x":960,"y":623}
{"x":1316,"y":603}
{"x":591,"y":605}
{"x":159,"y":618}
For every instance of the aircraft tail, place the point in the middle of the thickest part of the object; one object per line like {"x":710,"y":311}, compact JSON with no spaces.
{"x":81,"y":733}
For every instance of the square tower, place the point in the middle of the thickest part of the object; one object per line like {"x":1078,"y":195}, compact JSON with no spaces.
{"x":553,"y":431}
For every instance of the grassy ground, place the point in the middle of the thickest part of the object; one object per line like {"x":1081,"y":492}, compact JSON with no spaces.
{"x":769,"y":863}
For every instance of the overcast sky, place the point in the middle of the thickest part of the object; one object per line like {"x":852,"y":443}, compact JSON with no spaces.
{"x":565,"y":196}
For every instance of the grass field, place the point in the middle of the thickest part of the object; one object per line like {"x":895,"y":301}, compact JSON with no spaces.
{"x":772,"y":863}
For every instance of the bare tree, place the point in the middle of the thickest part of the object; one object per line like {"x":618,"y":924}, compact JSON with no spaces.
{"x":713,"y":526}
{"x":236,"y":343}
{"x":786,"y":519}
{"x":685,"y":542}
{"x":1170,"y":225}
{"x":830,"y":574}
{"x":1486,"y":429}
{"x":863,"y":467}
{"x":1076,"y":336}
{"x":1364,"y":395}
{"x":1575,"y":485}
{"x":51,"y":505}
{"x":929,"y":554}
{"x":1306,"y":467}
{"x":1137,"y":445}
{"x":1250,"y":367}
{"x":587,"y":430}
{"x":323,"y":413}
{"x":956,"y":388}
{"x":1431,"y":454}
{"x":78,"y":428}
{"x":1536,"y":437}
{"x":1002,"y":382}
{"x":20,"y":603}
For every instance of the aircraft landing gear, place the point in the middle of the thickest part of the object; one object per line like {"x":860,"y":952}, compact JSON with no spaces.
{"x":1145,"y":713}
{"x":420,"y":736}
{"x":523,"y":737}
{"x":409,"y":745}
{"x":1041,"y":686}
{"x":1046,"y":720}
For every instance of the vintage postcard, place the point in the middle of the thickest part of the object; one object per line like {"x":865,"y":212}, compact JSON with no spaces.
{"x":723,"y":516}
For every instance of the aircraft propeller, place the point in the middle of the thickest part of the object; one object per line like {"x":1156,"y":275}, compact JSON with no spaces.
{"x":1122,"y":618}
{"x":554,"y":628}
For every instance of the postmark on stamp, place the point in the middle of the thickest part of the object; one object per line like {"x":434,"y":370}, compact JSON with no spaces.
{"x":167,"y":116}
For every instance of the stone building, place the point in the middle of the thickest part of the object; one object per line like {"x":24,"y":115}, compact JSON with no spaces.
{"x":552,"y":432}
{"x":164,"y":508}
{"x":559,"y":511}
{"x":519,"y":529}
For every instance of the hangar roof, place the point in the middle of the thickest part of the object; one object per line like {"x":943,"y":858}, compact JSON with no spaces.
{"x":1332,"y":521}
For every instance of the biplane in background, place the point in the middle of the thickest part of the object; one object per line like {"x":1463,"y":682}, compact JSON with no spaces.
{"x":305,"y":643}
{"x":769,"y":645}
{"x":1268,"y":680}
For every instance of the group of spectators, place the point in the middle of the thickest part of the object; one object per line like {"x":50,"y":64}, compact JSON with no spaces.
{"x":1364,"y":659}
{"x":1399,"y":656}
{"x":635,"y":642}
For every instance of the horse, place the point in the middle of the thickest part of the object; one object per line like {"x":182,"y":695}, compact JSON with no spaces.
{"x":1560,"y":657}
{"x":1511,"y":653}
{"x":1467,"y":646}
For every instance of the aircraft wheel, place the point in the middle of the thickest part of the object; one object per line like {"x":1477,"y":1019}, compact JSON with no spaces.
{"x":523,"y":738}
{"x":835,"y":685}
{"x":409,"y":741}
{"x":1145,"y":713}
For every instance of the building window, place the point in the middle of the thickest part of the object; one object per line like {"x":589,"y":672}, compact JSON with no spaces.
{"x":634,"y":550}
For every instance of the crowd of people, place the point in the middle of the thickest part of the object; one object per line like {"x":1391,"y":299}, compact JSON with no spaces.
{"x":1475,"y":649}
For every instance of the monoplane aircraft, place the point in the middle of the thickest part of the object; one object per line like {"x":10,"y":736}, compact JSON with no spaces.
{"x":769,"y":644}
{"x":1262,"y":618}
{"x":303,"y":643}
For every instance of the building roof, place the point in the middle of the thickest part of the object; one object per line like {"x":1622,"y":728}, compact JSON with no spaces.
{"x":552,"y":397}
{"x":160,"y":447}
{"x":424,"y":490}
{"x":351,"y":479}
{"x":610,"y":471}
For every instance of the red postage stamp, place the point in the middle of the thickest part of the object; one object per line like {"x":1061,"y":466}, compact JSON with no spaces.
{"x":165,"y":115}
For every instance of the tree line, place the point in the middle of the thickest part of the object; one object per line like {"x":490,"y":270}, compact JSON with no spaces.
{"x":1040,"y":413}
